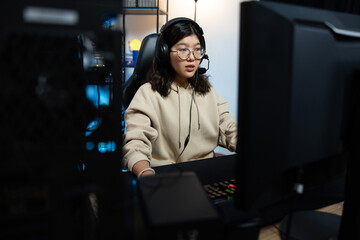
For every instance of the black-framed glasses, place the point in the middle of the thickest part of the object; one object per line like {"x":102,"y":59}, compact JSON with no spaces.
{"x":184,"y":53}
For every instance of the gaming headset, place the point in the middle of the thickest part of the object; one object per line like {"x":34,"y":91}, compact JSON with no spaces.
{"x":162,"y":51}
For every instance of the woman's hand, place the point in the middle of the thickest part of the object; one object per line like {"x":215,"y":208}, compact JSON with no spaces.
{"x":142,"y":168}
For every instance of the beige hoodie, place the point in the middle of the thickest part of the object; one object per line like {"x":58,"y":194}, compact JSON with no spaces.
{"x":157,"y":127}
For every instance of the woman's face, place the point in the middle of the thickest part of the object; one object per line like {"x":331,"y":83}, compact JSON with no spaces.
{"x":185,"y":69}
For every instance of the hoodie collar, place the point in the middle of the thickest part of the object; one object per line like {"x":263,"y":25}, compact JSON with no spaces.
{"x":176,"y":87}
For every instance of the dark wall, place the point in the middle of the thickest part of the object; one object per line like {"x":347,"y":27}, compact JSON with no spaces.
{"x":348,"y":6}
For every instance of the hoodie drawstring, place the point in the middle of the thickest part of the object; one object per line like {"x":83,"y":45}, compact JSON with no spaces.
{"x":198,"y":113}
{"x":178,"y":93}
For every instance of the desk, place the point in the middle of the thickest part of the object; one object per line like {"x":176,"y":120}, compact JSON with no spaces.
{"x":271,"y":232}
{"x":212,"y":170}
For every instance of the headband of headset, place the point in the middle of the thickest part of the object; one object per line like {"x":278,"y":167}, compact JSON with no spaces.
{"x":162,"y":49}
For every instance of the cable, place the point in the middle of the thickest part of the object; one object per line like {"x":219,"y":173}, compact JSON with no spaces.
{"x":188,"y":136}
{"x":180,"y":170}
{"x":298,"y":190}
{"x":192,"y":100}
{"x":195,"y":10}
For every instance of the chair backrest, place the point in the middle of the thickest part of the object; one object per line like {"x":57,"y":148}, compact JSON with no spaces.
{"x":142,"y":66}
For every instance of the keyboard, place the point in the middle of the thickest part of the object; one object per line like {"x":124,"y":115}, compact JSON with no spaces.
{"x":211,"y":173}
{"x":221,"y":191}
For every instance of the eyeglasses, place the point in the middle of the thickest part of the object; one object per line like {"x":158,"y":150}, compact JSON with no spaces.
{"x":184,"y":53}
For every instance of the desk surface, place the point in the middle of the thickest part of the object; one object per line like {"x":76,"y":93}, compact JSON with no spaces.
{"x":272,"y":233}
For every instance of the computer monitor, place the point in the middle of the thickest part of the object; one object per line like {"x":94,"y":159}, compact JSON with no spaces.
{"x":298,"y":95}
{"x":60,"y":173}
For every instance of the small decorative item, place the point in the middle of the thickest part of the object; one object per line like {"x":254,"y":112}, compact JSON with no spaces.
{"x":135,"y":47}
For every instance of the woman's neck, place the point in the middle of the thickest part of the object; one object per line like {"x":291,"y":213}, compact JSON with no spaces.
{"x":183,"y":82}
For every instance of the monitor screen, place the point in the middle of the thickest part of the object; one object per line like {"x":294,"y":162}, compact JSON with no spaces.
{"x":298,"y":76}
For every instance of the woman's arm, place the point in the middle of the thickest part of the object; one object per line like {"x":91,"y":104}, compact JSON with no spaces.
{"x":140,"y":133}
{"x":228,"y":126}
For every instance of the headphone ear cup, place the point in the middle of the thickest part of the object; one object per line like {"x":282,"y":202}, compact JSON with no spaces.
{"x":161,"y":50}
{"x":164,"y":52}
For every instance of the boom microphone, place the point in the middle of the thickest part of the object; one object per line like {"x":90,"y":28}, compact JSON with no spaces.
{"x":203,"y":70}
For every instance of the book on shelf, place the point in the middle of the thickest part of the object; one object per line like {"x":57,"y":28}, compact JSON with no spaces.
{"x":144,"y":3}
{"x":130,"y":3}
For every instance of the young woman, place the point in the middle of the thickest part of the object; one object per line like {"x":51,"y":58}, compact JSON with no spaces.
{"x":176,"y":116}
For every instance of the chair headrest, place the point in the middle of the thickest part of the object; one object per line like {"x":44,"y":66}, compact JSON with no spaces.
{"x":146,"y":54}
{"x":142,"y":66}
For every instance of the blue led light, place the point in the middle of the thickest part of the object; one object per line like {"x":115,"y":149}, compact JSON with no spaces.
{"x":81,"y":167}
{"x":104,"y":147}
{"x":90,"y":146}
{"x":110,"y":23}
{"x":92,"y":126}
{"x":98,"y":95}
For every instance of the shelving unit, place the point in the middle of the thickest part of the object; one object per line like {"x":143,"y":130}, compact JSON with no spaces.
{"x":153,"y":10}
{"x":157,"y":10}
{"x":147,"y":11}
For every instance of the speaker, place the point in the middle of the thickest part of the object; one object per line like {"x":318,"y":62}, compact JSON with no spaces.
{"x":175,"y":206}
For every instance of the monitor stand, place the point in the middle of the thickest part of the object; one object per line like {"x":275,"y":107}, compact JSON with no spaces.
{"x":311,"y":225}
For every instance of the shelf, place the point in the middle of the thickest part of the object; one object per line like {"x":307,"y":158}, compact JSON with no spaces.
{"x":144,"y":11}
{"x":129,"y":66}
